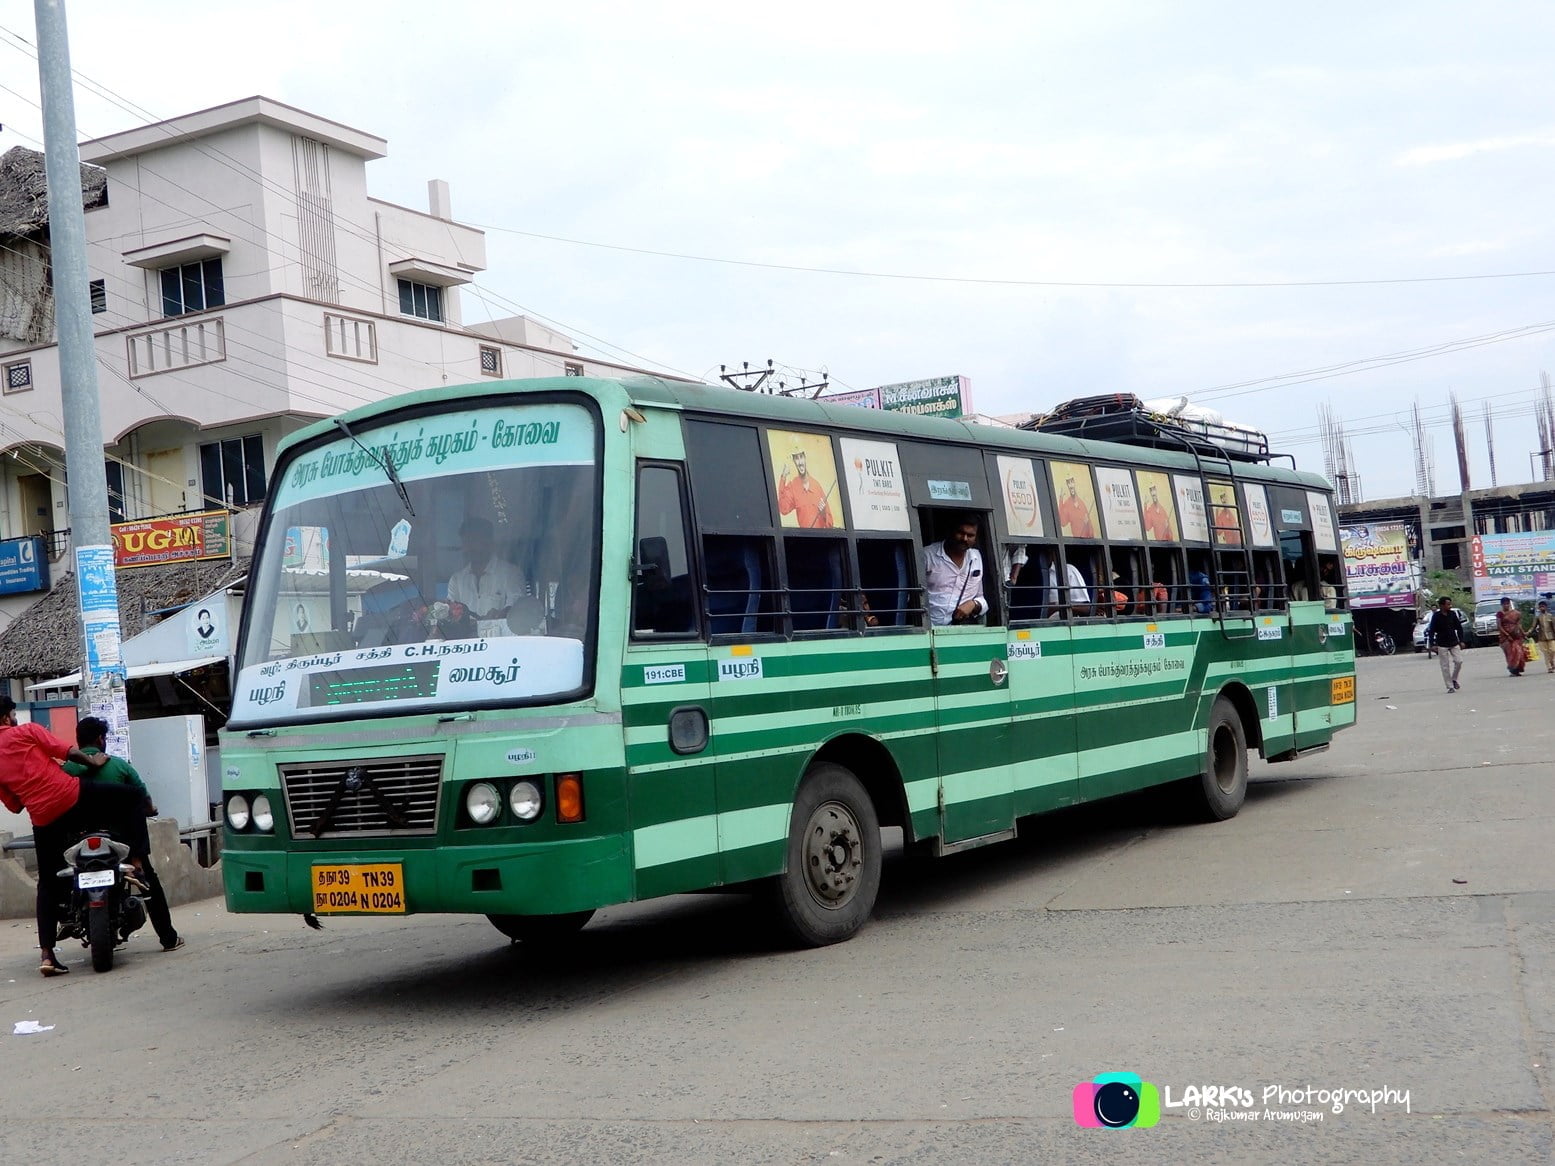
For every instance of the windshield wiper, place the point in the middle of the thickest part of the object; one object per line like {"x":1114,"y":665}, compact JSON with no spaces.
{"x":386,"y":464}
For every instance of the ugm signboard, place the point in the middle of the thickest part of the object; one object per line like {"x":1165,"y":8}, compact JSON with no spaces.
{"x":173,"y":538}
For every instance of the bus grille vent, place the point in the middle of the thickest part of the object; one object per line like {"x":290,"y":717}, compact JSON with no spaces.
{"x":387,"y":796}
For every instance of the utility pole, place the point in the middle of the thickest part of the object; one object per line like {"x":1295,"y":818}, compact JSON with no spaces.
{"x":102,"y":671}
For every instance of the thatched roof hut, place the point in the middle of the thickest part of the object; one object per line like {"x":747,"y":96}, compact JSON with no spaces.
{"x":46,"y":639}
{"x":24,"y":193}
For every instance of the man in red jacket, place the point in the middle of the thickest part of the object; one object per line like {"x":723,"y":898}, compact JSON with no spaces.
{"x":31,"y":779}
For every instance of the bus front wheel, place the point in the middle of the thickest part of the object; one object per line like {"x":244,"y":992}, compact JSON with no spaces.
{"x":539,"y":929}
{"x":832,"y":873}
{"x":1222,"y":787}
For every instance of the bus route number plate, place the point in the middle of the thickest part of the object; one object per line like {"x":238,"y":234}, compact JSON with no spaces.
{"x":1341,"y":690}
{"x":361,"y":888}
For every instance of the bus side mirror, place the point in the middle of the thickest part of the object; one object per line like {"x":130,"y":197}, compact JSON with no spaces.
{"x":652,"y":568}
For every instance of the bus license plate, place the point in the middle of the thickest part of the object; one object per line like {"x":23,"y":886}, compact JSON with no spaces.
{"x":1341,"y":690}
{"x":376,"y":888}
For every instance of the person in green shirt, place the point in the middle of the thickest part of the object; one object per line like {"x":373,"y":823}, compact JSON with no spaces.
{"x":92,"y":737}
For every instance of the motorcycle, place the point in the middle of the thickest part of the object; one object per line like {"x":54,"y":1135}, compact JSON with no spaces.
{"x":1383,"y":643}
{"x":105,"y":905}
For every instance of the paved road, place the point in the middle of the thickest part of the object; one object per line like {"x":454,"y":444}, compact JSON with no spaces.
{"x":1382,"y":915}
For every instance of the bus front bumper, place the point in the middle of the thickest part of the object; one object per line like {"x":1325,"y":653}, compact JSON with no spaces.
{"x":534,"y":879}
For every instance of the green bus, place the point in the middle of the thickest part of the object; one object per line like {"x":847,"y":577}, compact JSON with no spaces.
{"x":531,"y":648}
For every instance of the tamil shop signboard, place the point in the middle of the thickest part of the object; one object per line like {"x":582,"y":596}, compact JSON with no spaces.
{"x":1379,"y":568}
{"x":173,"y":538}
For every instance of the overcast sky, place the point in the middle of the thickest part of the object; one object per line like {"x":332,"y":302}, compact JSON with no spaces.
{"x":1044,"y":145}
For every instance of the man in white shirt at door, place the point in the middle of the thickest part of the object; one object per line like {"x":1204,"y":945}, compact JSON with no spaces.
{"x":486,"y":585}
{"x":953,"y":576}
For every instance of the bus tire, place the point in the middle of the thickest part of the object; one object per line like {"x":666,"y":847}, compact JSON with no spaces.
{"x":831,"y":875}
{"x":1221,"y":789}
{"x":541,"y":929}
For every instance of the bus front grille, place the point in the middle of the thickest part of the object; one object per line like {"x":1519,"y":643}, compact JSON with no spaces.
{"x":385,"y":797}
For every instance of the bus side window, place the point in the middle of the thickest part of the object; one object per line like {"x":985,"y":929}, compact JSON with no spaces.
{"x":888,"y":584}
{"x":1200,"y":592}
{"x":816,"y":583}
{"x":1330,"y":582}
{"x":1028,"y":590}
{"x":662,"y":592}
{"x":1166,"y":581}
{"x":1131,"y":580}
{"x":1268,"y":588}
{"x":739,"y":584}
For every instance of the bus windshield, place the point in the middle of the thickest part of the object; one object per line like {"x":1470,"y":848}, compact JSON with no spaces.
{"x":442,"y":561}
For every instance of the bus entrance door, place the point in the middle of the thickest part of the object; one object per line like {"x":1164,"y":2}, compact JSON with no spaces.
{"x":972,"y":715}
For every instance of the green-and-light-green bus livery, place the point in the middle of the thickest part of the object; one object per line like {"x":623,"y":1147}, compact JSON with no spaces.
{"x":532,"y":648}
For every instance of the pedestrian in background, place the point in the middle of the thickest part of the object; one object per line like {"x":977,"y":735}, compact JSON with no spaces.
{"x":1544,"y":634}
{"x":1444,"y":640}
{"x":1509,"y":630}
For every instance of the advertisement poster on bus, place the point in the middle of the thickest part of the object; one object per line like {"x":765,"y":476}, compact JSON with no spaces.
{"x":1018,"y":486}
{"x":1259,"y":524}
{"x":1324,"y":536}
{"x":1160,"y":513}
{"x":1119,"y":505}
{"x":1521,"y":564}
{"x":875,"y":488}
{"x":1378,"y":569}
{"x":1190,"y":501}
{"x":1076,"y":499}
{"x":806,"y":478}
{"x":1225,"y":517}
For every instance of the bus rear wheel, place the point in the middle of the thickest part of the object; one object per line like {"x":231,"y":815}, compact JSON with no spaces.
{"x":1222,"y":788}
{"x":540,"y":929}
{"x":832,"y":873}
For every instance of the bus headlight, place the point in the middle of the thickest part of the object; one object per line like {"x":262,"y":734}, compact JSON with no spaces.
{"x":264,"y":820}
{"x":482,"y":803}
{"x":524,"y":800}
{"x":237,"y":812}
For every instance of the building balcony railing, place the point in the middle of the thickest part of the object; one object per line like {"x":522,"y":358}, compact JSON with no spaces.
{"x":181,"y":344}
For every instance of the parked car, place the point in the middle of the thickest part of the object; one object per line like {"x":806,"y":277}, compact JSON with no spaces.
{"x":1485,"y":617}
{"x":1470,"y":634}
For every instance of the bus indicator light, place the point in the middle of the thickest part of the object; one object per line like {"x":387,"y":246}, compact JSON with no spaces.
{"x":569,"y":797}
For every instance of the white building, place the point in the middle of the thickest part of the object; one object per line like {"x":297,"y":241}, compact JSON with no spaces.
{"x":244,"y":283}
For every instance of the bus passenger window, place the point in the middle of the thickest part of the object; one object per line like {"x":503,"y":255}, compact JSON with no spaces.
{"x":662,"y":590}
{"x":1069,"y":586}
{"x":1200,"y":592}
{"x":1268,"y":587}
{"x":888,"y":584}
{"x":1131,"y":582}
{"x":816,"y":583}
{"x":739,"y":584}
{"x":1166,"y":586}
{"x":1028,"y":570}
{"x":1330,"y":582}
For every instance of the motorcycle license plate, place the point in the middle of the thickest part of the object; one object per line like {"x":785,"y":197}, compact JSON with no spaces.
{"x":88,"y":879}
{"x":376,"y":888}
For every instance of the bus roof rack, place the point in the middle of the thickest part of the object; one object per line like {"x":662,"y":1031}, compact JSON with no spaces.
{"x":1171,"y":424}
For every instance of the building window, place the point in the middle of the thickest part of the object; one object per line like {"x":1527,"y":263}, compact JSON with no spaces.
{"x":233,"y":470}
{"x":571,"y":369}
{"x":491,"y":361}
{"x":421,"y":300}
{"x":99,"y":289}
{"x":18,"y":377}
{"x":194,"y":287}
{"x":114,"y":471}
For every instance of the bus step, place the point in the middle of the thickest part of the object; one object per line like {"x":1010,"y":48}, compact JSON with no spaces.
{"x":942,"y":848}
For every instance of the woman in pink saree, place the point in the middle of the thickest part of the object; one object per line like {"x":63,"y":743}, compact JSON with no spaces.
{"x":1509,"y":630}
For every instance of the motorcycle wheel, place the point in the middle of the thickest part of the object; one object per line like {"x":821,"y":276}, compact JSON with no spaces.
{"x":1385,"y":644}
{"x":99,"y":935}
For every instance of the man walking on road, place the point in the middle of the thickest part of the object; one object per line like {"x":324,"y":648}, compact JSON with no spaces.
{"x":1544,"y":633}
{"x":1444,"y":640}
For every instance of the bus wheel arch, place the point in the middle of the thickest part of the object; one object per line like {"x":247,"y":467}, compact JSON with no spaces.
{"x":871,"y":762}
{"x":1242,"y":698}
{"x":1221,"y":786}
{"x":832,"y":861}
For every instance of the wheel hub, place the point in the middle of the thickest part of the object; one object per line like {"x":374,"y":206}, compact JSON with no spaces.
{"x":834,"y":854}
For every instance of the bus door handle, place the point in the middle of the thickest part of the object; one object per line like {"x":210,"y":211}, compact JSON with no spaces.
{"x":689,"y":729}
